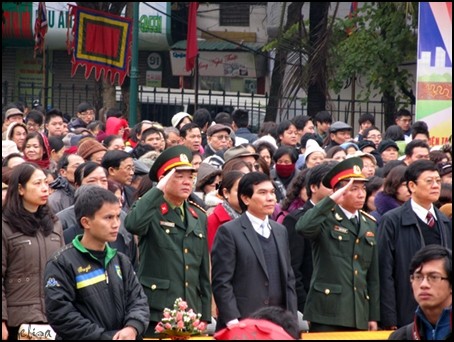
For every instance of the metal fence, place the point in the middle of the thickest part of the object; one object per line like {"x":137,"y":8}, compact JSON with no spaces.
{"x":160,"y":104}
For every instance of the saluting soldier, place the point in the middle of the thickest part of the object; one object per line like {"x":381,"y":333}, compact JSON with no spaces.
{"x":174,"y":259}
{"x":344,"y":291}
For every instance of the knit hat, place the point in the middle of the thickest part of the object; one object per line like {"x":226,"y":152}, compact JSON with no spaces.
{"x":178,"y":117}
{"x":89,"y":146}
{"x":366,"y":143}
{"x":348,"y":144}
{"x":385,"y":144}
{"x":84,"y":106}
{"x":311,"y":147}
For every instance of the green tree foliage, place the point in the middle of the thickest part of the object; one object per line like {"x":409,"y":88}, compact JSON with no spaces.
{"x":373,"y":46}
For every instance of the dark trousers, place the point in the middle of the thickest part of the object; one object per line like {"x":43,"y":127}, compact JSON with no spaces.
{"x":316,"y":327}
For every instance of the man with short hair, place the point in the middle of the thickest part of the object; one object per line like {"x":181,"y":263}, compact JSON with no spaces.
{"x":191,"y":137}
{"x":431,"y":282}
{"x":416,"y":150}
{"x":63,"y":185}
{"x":90,"y":290}
{"x":53,"y":123}
{"x":403,"y":119}
{"x":323,"y":120}
{"x":174,"y":259}
{"x":300,"y":248}
{"x":344,"y":292}
{"x":240,"y":118}
{"x":401,"y":233}
{"x":251,"y":265}
{"x":84,"y":115}
{"x":120,"y":168}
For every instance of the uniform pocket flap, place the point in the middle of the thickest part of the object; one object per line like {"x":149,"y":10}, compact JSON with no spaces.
{"x":155,"y":283}
{"x":340,"y":234}
{"x":328,"y":288}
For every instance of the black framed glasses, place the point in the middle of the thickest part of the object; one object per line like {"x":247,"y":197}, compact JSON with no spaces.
{"x":431,"y":278}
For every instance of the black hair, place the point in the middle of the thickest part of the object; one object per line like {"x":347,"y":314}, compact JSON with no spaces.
{"x":52,"y":114}
{"x":415,"y":169}
{"x":429,"y":253}
{"x":91,"y":200}
{"x":36,"y":116}
{"x":366,"y":117}
{"x":315,"y":176}
{"x":300,"y":121}
{"x":294,"y":188}
{"x":323,"y":116}
{"x":246,"y":185}
{"x":114,"y":158}
{"x":13,"y":208}
{"x":281,"y":317}
{"x":188,"y":127}
{"x":85,"y":169}
{"x":395,"y":133}
{"x":240,"y":117}
{"x":224,"y":118}
{"x":201,"y":117}
{"x":402,"y":112}
{"x":413,"y":144}
{"x":228,"y":180}
{"x":109,"y":139}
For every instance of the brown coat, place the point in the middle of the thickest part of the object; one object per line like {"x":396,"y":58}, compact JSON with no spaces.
{"x":23,"y":262}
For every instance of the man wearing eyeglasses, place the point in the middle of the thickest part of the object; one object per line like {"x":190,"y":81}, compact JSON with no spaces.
{"x":431,"y":281}
{"x":85,"y":114}
{"x":218,"y":137}
{"x":401,"y":233}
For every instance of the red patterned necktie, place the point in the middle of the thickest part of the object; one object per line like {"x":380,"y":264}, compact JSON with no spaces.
{"x":430,"y":220}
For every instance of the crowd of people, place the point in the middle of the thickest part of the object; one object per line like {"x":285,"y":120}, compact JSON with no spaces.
{"x":105,"y":225}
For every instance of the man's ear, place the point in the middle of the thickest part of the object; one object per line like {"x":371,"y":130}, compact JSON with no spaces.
{"x":85,"y":222}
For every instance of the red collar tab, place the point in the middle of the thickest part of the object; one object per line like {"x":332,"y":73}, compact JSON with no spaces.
{"x":193,"y":212}
{"x":164,"y":208}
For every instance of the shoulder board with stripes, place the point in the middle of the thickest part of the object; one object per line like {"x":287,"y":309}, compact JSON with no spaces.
{"x":368,"y":215}
{"x":197,"y":206}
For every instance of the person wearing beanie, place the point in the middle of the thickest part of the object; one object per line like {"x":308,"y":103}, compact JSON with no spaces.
{"x":388,"y":150}
{"x":91,"y":150}
{"x":313,"y":155}
{"x":180,"y":119}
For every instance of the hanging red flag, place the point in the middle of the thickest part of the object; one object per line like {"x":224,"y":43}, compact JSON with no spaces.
{"x":192,"y":49}
{"x":101,"y":42}
{"x":40,"y":27}
{"x":351,"y":15}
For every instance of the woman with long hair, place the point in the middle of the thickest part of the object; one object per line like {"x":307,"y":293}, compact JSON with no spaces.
{"x":31,"y":234}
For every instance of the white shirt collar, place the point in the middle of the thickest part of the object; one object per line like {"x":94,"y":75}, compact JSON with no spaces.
{"x":257,"y":223}
{"x":422,"y":212}
{"x":349,"y":214}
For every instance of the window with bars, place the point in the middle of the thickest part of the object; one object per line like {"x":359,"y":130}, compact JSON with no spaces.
{"x":234,"y":14}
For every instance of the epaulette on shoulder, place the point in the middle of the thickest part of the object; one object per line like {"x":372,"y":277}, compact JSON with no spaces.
{"x":197,"y":206}
{"x":368,"y":215}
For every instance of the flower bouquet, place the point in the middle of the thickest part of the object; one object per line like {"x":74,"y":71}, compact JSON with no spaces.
{"x":180,"y":323}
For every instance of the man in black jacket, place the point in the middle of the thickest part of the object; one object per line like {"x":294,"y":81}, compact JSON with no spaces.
{"x":401,"y":233}
{"x":91,"y":290}
{"x":300,"y":248}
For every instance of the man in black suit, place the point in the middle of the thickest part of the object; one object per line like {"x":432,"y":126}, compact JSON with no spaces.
{"x":300,"y":248}
{"x":251,"y":265}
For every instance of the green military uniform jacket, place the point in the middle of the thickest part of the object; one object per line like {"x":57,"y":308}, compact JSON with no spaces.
{"x":344,"y":288}
{"x":173,"y":256}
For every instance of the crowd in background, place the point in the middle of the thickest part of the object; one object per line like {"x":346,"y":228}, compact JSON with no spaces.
{"x":49,"y":159}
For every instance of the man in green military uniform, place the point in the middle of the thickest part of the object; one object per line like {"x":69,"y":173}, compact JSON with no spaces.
{"x":344,"y":291}
{"x":174,"y":259}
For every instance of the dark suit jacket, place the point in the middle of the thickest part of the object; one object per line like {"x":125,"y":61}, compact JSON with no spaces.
{"x":239,"y":273}
{"x":301,"y":254}
{"x":399,"y":237}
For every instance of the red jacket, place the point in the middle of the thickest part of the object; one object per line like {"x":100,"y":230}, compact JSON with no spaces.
{"x":218,"y":216}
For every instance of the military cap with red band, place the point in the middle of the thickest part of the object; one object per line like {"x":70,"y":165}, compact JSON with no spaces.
{"x":176,"y":157}
{"x":345,"y":170}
